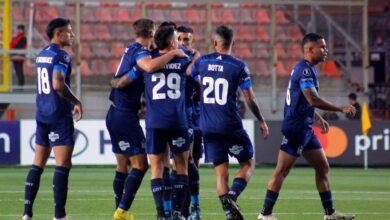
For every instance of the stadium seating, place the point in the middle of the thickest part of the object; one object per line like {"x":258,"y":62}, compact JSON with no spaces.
{"x":84,"y":68}
{"x":294,"y":33}
{"x":260,"y":16}
{"x":281,"y":17}
{"x":294,"y":51}
{"x":104,"y":15}
{"x":175,"y":16}
{"x":136,"y":14}
{"x":69,"y":12}
{"x":280,"y":69}
{"x":104,"y":32}
{"x":87,"y":14}
{"x":121,"y":15}
{"x":243,"y":51}
{"x":86,"y":52}
{"x":18,"y":14}
{"x":101,"y":51}
{"x":261,"y":34}
{"x":329,"y":68}
{"x":227,"y":16}
{"x":281,"y":35}
{"x":156,"y":15}
{"x":122,"y":32}
{"x":192,"y":16}
{"x":114,"y":65}
{"x":45,"y":14}
{"x":261,"y":68}
{"x":216,"y":16}
{"x":117,"y":49}
{"x":290,"y":65}
{"x":281,"y":51}
{"x":99,"y":67}
{"x":261,"y":51}
{"x":245,"y":16}
{"x":243,"y":33}
{"x":86,"y":33}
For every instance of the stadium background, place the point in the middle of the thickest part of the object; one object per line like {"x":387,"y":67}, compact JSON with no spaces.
{"x":267,"y":38}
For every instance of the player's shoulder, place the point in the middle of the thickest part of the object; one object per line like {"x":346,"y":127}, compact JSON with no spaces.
{"x":135,"y":47}
{"x":302,"y":68}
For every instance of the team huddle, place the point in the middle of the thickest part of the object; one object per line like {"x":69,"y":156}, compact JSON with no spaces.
{"x":191,"y":103}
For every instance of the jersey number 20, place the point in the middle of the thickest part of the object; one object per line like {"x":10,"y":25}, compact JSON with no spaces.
{"x":172,"y":80}
{"x":43,"y":81}
{"x":219,"y":86}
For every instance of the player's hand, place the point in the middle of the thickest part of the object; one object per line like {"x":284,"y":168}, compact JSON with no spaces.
{"x":264,"y":129}
{"x":349,"y":110}
{"x":196,"y":54}
{"x":77,"y":111}
{"x":324,"y":126}
{"x":180,"y":53}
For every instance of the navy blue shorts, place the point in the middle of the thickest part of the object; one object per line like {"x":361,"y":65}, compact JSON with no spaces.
{"x":125,"y":131}
{"x":58,"y":133}
{"x":296,"y":143}
{"x":157,"y":139}
{"x":197,"y":149}
{"x":218,"y":146}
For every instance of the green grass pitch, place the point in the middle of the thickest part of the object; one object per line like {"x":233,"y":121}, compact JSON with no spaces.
{"x":90,"y":197}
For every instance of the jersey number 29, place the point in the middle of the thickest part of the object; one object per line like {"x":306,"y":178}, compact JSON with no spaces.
{"x":43,"y":81}
{"x":172,"y":80}
{"x":219,"y":86}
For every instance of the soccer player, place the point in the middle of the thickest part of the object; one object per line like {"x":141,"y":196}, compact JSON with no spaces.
{"x":53,"y":117}
{"x":220,"y":76}
{"x":128,"y":144}
{"x":298,"y":136}
{"x":185,"y":38}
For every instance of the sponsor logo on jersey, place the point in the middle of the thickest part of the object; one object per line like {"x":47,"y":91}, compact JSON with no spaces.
{"x":53,"y":136}
{"x":179,"y":142}
{"x":236,"y":149}
{"x":123,"y":145}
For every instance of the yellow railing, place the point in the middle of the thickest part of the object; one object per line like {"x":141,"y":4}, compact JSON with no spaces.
{"x":5,"y":6}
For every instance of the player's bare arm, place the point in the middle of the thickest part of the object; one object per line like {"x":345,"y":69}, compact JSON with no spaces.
{"x":64,"y":91}
{"x":315,"y":100}
{"x":250,"y":100}
{"x":194,"y":59}
{"x":150,"y":65}
{"x":121,"y":82}
{"x":322,"y":122}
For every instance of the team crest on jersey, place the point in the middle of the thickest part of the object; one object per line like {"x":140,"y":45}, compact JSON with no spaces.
{"x":67,"y":58}
{"x":123,"y":145}
{"x":300,"y":150}
{"x":306,"y":72}
{"x":236,"y":149}
{"x":284,"y":140}
{"x":53,"y":136}
{"x":179,"y":142}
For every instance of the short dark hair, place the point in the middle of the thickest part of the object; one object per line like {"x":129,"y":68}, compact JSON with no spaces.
{"x":142,"y":27}
{"x":226,"y":34}
{"x":168,"y":23}
{"x":54,"y":24}
{"x":185,"y":29}
{"x":311,"y":37}
{"x":352,"y":96}
{"x":20,"y":26}
{"x":163,"y":36}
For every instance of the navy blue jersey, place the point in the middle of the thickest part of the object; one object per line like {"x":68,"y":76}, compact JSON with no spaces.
{"x":51,"y":106}
{"x":165,"y":95}
{"x":298,"y":114}
{"x":220,"y":77}
{"x":129,"y":97}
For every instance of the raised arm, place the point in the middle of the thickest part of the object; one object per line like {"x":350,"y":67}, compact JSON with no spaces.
{"x":150,"y":65}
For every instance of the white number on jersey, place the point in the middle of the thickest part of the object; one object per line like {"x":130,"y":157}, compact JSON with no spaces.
{"x":172,"y":81}
{"x":219,"y":86}
{"x":288,"y":97}
{"x":43,"y":81}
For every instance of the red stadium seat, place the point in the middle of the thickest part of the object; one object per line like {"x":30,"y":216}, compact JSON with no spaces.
{"x":99,"y":67}
{"x":245,"y":16}
{"x":192,"y":16}
{"x":261,"y":34}
{"x":280,"y":69}
{"x":281,"y":51}
{"x":261,"y":16}
{"x":122,"y":15}
{"x":136,"y":14}
{"x":122,"y":32}
{"x":69,"y":12}
{"x":175,"y":15}
{"x":101,"y":51}
{"x":294,"y":50}
{"x":117,"y":49}
{"x":294,"y":33}
{"x":86,"y":52}
{"x":104,"y":15}
{"x":290,"y":65}
{"x":261,"y":52}
{"x":84,"y":69}
{"x":243,"y":51}
{"x":197,"y":34}
{"x":156,"y":15}
{"x":104,"y":32}
{"x":86,"y":33}
{"x":87,"y":14}
{"x":45,"y":14}
{"x":227,"y":16}
{"x":281,"y":35}
{"x":261,"y":68}
{"x":281,"y":17}
{"x":114,"y":65}
{"x":17,"y":13}
{"x":329,"y":68}
{"x":244,"y":34}
{"x":216,"y":16}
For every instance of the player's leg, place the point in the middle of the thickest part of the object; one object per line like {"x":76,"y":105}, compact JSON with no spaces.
{"x":179,"y":145}
{"x":139,"y":165}
{"x":193,"y":173}
{"x":168,"y":179}
{"x":33,"y":179}
{"x":121,"y":173}
{"x":314,"y":154}
{"x":156,"y":141}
